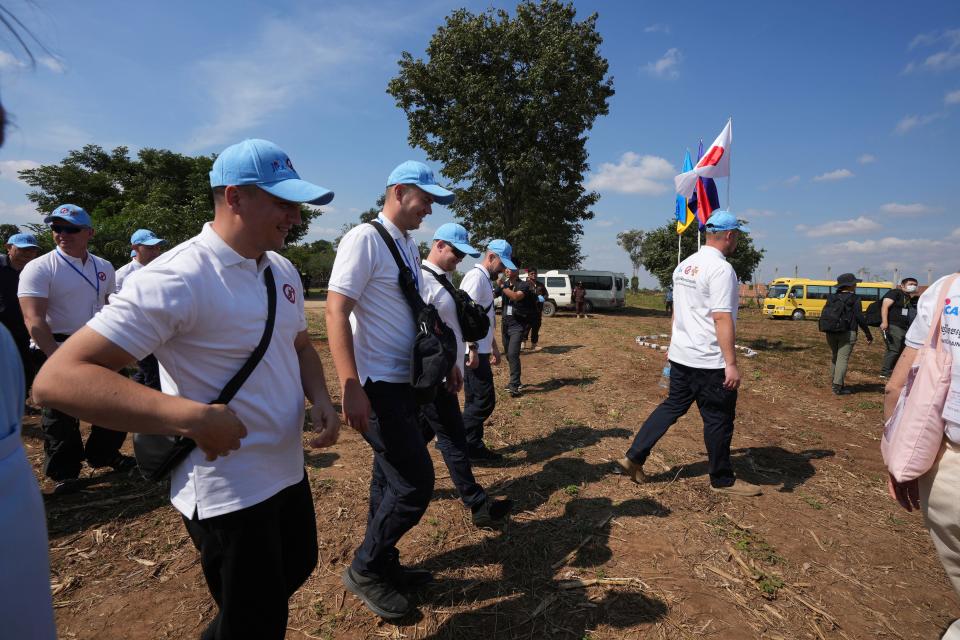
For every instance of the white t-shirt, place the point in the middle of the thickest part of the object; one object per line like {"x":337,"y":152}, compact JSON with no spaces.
{"x":702,"y":284}
{"x":126,"y":271}
{"x":433,"y":293}
{"x":382,"y":321}
{"x":201,"y":309}
{"x":75,"y":289}
{"x":477,"y":283}
{"x":949,"y":331}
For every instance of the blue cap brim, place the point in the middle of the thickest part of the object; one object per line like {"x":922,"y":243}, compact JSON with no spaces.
{"x":467,"y":249}
{"x":25,"y":245}
{"x":507,"y":262}
{"x":295,"y":190}
{"x":69,"y":219}
{"x":739,"y":227}
{"x":152,"y":242}
{"x":440,"y":195}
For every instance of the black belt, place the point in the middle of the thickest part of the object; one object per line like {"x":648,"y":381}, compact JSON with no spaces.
{"x":61,"y":337}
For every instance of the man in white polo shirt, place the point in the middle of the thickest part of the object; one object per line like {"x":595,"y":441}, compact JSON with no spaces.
{"x":702,"y":357}
{"x":201,"y":308}
{"x":372,"y":329}
{"x":59,"y":292}
{"x":442,"y":417}
{"x":480,"y":397}
{"x":146,"y":247}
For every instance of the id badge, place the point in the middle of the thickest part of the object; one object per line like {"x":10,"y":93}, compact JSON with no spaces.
{"x":951,"y":408}
{"x":905,"y":312}
{"x":510,"y":310}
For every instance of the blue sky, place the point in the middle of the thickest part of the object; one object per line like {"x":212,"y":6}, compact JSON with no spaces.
{"x":844,"y":112}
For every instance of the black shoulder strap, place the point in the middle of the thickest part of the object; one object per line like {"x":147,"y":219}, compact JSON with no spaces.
{"x":241,"y":376}
{"x":406,"y":280}
{"x":442,"y":279}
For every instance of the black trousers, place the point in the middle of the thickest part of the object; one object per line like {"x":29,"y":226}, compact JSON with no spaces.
{"x":254,"y":559}
{"x":533,"y":329}
{"x":148,"y":373}
{"x":717,"y":408}
{"x":513,"y":330}
{"x":402,"y":481}
{"x":480,"y":399}
{"x":442,"y":418}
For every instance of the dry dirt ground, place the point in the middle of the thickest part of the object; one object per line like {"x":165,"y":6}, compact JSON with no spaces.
{"x":822,"y":554}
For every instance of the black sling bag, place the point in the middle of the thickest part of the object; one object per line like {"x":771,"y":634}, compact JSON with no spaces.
{"x":435,"y":346}
{"x":473,"y":319}
{"x":157,"y":455}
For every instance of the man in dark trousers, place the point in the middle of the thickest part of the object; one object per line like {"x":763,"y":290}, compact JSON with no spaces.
{"x":21,"y":249}
{"x":480,"y":397}
{"x":372,"y":330}
{"x":533,"y":332}
{"x":519,"y":306}
{"x":702,"y":358}
{"x":842,"y":339}
{"x":897,"y":311}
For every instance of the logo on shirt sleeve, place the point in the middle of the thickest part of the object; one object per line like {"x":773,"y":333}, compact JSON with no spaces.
{"x":290,"y":293}
{"x":101,"y":275}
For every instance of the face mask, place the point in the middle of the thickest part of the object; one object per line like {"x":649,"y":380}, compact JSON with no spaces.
{"x":910,"y":288}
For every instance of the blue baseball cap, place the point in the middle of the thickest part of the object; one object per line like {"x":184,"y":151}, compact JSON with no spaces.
{"x":145,"y":236}
{"x":266,"y":165}
{"x":456,"y":235}
{"x":420,"y":175}
{"x":70,"y":213}
{"x":723,"y":220}
{"x":23,"y":240}
{"x":133,"y":254}
{"x":504,"y":251}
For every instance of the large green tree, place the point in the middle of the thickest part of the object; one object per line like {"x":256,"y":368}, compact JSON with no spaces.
{"x":160,"y":190}
{"x":505,"y":104}
{"x":660,"y":253}
{"x":632,"y":242}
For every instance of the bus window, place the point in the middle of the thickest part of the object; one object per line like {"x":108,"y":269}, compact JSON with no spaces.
{"x":777,"y":291}
{"x":556,"y":283}
{"x":596,"y":283}
{"x":797,"y":292}
{"x":817,"y":292}
{"x":619,"y":284}
{"x":868,"y":294}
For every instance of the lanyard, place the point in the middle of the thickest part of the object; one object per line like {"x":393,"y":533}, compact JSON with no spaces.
{"x":96,"y":287}
{"x":403,"y":254}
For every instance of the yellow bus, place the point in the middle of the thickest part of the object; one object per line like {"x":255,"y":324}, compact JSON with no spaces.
{"x":799,"y":298}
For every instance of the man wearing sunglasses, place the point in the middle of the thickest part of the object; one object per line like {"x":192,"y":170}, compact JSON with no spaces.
{"x":59,"y":292}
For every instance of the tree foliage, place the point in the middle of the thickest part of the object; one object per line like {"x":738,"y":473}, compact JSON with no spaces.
{"x":660,"y":253}
{"x":505,"y":103}
{"x":314,"y":261}
{"x":166,"y":192}
{"x":632,"y":242}
{"x":7,"y":230}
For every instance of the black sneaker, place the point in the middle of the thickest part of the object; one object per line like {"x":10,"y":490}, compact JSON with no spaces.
{"x":406,"y":578}
{"x":121,"y":463}
{"x":377,"y":594}
{"x":492,"y":513}
{"x":65,"y":487}
{"x":482,"y":454}
{"x":840,"y":390}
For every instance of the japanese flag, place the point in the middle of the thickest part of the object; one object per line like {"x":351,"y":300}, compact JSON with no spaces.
{"x":715,"y":163}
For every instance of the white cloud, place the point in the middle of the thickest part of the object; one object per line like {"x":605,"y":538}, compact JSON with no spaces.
{"x":947,"y":58}
{"x":908,"y":123}
{"x":19,"y":214}
{"x":657,"y":28}
{"x":666,"y":66}
{"x":867,"y":158}
{"x":635,"y":174}
{"x":791,"y":181}
{"x":9,"y":62}
{"x":956,"y":233}
{"x":862,"y":224}
{"x":9,"y":168}
{"x":831,"y":176}
{"x":915,"y":209}
{"x":53,"y":64}
{"x":603,"y":223}
{"x":952,"y":98}
{"x":884,"y":246}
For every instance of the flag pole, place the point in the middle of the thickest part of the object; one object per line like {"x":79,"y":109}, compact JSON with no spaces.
{"x":679,"y":236}
{"x":730,"y":160}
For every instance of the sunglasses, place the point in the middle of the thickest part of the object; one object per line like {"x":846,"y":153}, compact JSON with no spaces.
{"x":59,"y":228}
{"x":459,"y":254}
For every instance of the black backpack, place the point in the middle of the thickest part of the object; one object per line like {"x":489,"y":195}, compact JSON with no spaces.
{"x":473,"y":319}
{"x":872,"y":314}
{"x":835,"y":316}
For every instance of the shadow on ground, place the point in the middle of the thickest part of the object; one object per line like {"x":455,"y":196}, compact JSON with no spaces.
{"x":556,"y":383}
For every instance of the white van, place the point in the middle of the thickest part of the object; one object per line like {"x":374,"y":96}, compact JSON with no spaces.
{"x":605,"y":289}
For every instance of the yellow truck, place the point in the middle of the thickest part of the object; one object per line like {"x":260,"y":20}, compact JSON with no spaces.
{"x":799,"y":298}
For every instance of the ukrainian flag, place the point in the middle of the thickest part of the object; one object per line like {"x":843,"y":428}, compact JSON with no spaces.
{"x":683,"y":213}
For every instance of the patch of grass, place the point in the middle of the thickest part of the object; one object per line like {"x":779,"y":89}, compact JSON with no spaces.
{"x":579,"y":451}
{"x":869,"y":404}
{"x":813,"y":502}
{"x":897,"y":521}
{"x":757,"y":374}
{"x":438,"y":536}
{"x":571,"y":490}
{"x":769,"y":585}
{"x":750,"y":543}
{"x":433,"y":521}
{"x":601,"y":574}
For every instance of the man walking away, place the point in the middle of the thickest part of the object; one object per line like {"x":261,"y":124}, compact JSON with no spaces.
{"x":442,"y":417}
{"x":372,"y":330}
{"x":146,"y":247}
{"x":202,"y":308}
{"x":841,"y":315}
{"x":898,"y":308}
{"x":703,"y":361}
{"x":21,"y":249}
{"x":480,"y":397}
{"x":580,"y":300}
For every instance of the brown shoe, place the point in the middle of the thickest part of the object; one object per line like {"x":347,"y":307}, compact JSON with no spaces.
{"x":740,"y":488}
{"x":632,"y":469}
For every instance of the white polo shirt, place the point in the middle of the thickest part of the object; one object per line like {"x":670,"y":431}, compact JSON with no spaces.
{"x":703,"y":284}
{"x":433,"y":293}
{"x":382,"y":321}
{"x":477,"y":283}
{"x":949,"y":332}
{"x":126,"y":271}
{"x":201,"y":309}
{"x":75,"y":289}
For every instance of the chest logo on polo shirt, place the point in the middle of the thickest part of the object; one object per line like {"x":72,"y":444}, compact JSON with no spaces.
{"x":691,"y":271}
{"x":950,"y":310}
{"x":101,"y":275}
{"x":290,"y":293}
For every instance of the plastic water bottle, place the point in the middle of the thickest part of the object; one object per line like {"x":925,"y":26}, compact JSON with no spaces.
{"x":665,"y":378}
